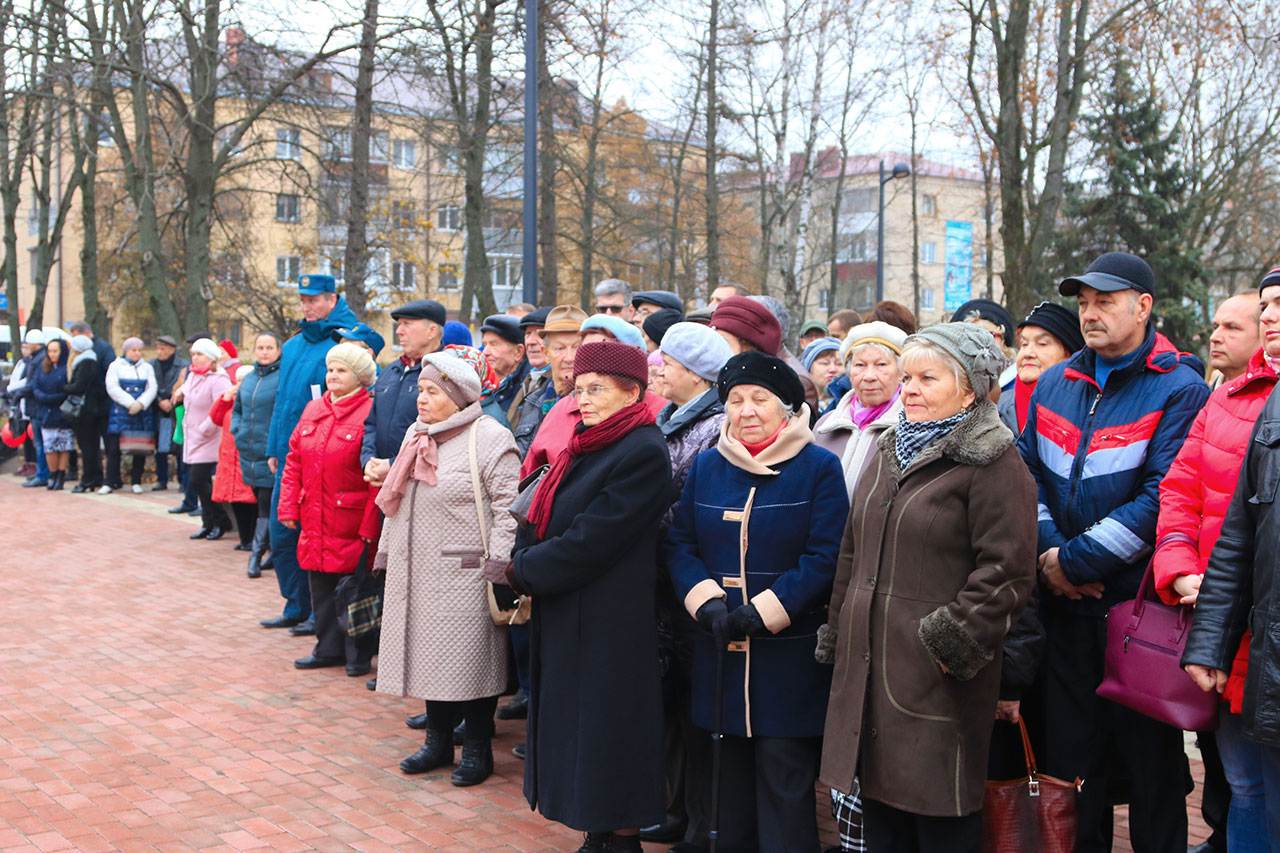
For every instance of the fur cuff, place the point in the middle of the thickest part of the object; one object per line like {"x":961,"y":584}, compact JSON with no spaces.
{"x":825,"y":652}
{"x":948,"y":644}
{"x":771,"y":611}
{"x":702,"y":592}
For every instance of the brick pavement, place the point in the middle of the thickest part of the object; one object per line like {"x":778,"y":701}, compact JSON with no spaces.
{"x":143,"y":708}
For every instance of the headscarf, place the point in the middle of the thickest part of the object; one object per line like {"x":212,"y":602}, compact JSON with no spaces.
{"x":479,"y":362}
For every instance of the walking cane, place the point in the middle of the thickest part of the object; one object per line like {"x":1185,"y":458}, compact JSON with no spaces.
{"x":717,"y":739}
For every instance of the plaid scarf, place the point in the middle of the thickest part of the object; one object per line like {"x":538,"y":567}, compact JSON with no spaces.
{"x":910,"y":437}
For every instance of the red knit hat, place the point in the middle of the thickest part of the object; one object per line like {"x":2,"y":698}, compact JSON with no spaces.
{"x":747,"y":319}
{"x":614,"y":359}
{"x":229,"y":348}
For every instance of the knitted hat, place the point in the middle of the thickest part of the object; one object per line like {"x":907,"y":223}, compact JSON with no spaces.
{"x":992,"y":312}
{"x":749,"y":320}
{"x":614,"y":359}
{"x":972,"y":347}
{"x":455,"y":376}
{"x":456,"y":333}
{"x":564,"y":318}
{"x":229,"y":348}
{"x":1062,"y":323}
{"x":767,"y":371}
{"x":657,"y":323}
{"x":618,"y":328}
{"x":504,"y":326}
{"x":1269,"y":279}
{"x":206,"y":348}
{"x":697,"y":348}
{"x":131,"y":343}
{"x":357,"y":360}
{"x":875,"y":332}
{"x":82,"y":343}
{"x":33,"y":336}
{"x":817,"y":348}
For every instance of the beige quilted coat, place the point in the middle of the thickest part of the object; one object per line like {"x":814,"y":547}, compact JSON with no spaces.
{"x":438,"y":642}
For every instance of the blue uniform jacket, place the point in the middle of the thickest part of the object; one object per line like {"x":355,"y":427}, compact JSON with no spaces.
{"x":395,"y":406}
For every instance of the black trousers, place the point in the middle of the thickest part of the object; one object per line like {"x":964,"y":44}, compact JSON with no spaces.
{"x":889,"y":830}
{"x":211,"y":515}
{"x":137,"y":461}
{"x":686,"y":748}
{"x":88,"y":433}
{"x":1215,"y":793}
{"x":1122,"y":756}
{"x":246,"y":515}
{"x":442,"y":717}
{"x":331,"y":640}
{"x":767,"y":798}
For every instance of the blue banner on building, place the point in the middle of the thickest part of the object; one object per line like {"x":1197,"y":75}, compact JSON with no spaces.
{"x":958,"y":265}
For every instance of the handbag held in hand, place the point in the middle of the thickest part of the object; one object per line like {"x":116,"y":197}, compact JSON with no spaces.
{"x":1035,"y":812}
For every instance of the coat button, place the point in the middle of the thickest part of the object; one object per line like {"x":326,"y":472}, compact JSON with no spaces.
{"x":871,"y":582}
{"x":866,"y":656}
{"x":873,"y":734}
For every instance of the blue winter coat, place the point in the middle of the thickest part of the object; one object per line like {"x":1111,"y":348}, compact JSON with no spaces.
{"x":1098,"y":457}
{"x":781,"y":534}
{"x":395,"y":406}
{"x":301,"y":367}
{"x":47,"y":389}
{"x":251,"y":420}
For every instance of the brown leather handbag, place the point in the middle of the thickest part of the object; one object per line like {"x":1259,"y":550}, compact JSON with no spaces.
{"x":1035,"y":812}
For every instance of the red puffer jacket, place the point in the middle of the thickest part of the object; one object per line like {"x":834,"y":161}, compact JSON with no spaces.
{"x":323,"y":487}
{"x":1196,"y":492}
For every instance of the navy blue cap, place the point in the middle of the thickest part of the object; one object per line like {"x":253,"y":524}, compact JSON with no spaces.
{"x":364,"y":334}
{"x":1112,"y":272}
{"x":314,"y":284}
{"x":536,"y":318}
{"x":504,"y":326}
{"x":421,"y":309}
{"x":661,"y":298}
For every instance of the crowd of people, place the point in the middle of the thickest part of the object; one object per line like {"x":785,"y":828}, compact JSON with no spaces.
{"x":861,"y":562}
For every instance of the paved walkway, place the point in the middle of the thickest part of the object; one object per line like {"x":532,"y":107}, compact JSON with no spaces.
{"x":142,"y":708}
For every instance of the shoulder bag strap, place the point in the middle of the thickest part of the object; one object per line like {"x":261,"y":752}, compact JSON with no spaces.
{"x":481,"y":515}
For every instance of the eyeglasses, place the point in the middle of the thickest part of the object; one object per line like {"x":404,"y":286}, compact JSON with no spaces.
{"x":592,"y":391}
{"x":610,"y":309}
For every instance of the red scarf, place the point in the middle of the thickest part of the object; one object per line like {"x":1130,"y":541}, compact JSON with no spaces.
{"x":1022,"y":401}
{"x":756,"y":449}
{"x":584,"y":440}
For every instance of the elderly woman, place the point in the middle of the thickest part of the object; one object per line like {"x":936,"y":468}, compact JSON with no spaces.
{"x":821,"y":360}
{"x":131,"y":385}
{"x":323,"y":492}
{"x":938,"y":558}
{"x":870,"y":355}
{"x":752,"y":552}
{"x":1048,"y":335}
{"x":205,"y":382}
{"x":439,"y":642}
{"x":48,"y":388}
{"x":588,"y":558}
{"x":250,"y":419}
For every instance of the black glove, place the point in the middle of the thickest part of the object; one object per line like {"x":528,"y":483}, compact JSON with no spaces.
{"x":710,"y":613}
{"x":744,"y":622}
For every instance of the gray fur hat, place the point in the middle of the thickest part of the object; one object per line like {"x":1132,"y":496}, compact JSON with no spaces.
{"x":970,"y":345}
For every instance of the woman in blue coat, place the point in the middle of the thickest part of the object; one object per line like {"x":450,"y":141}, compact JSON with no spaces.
{"x":48,"y":384}
{"x":752,"y":553}
{"x":250,"y":421}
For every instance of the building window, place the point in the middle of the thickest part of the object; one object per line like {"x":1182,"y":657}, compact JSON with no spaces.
{"x":404,"y":153}
{"x":504,"y":271}
{"x":402,"y":214}
{"x":824,"y":299}
{"x":449,"y":158}
{"x":926,"y":299}
{"x":855,"y":247}
{"x":929,"y":253}
{"x":288,"y":268}
{"x":288,"y":144}
{"x":403,"y":275}
{"x":929,"y":204}
{"x":447,"y":277}
{"x":337,"y":143}
{"x":379,"y":146}
{"x":288,"y":208}
{"x":860,"y":200}
{"x":331,"y":261}
{"x":449,"y":218}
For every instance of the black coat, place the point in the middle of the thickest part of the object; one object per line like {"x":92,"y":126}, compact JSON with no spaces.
{"x":595,"y":704}
{"x":395,"y":406}
{"x":89,"y":380}
{"x":1240,"y":590}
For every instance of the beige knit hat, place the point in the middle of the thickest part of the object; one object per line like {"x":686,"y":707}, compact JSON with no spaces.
{"x":356,"y":359}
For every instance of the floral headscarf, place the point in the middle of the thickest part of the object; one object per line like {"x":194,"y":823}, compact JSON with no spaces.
{"x":480,"y":363}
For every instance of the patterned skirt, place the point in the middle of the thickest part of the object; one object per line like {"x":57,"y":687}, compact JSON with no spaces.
{"x":57,"y":440}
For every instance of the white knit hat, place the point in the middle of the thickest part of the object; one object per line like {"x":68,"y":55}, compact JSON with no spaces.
{"x":875,"y":332}
{"x":206,"y":348}
{"x":356,"y":359}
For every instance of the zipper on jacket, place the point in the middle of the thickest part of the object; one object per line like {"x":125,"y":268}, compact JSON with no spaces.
{"x":1077,"y":466}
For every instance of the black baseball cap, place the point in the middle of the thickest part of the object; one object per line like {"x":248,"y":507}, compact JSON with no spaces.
{"x":1112,"y":272}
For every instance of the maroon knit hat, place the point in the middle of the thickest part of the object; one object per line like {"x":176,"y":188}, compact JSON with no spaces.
{"x":614,"y":359}
{"x":747,"y":319}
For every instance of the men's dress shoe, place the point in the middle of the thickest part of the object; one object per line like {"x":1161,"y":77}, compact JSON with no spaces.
{"x":81,"y":488}
{"x":160,"y":487}
{"x":279,"y":622}
{"x":202,"y":533}
{"x":436,"y":752}
{"x":371,"y":684}
{"x":518,"y":751}
{"x":416,"y":721}
{"x":196,"y":511}
{"x":33,"y":483}
{"x":243,"y":546}
{"x":355,"y":670}
{"x":216,"y":533}
{"x":476,"y":764}
{"x":179,"y":509}
{"x":313,"y":662}
{"x":517,"y":708}
{"x":305,"y":628}
{"x":667,"y":832}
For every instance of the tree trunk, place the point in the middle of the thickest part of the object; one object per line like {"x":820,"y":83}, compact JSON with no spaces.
{"x":712,"y":191}
{"x":13,"y":156}
{"x":355,"y":262}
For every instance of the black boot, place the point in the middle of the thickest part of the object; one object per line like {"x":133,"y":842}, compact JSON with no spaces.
{"x":625,"y":844}
{"x":436,"y":752}
{"x":258,"y":546}
{"x":596,"y":842}
{"x":58,"y":480}
{"x":476,"y":764}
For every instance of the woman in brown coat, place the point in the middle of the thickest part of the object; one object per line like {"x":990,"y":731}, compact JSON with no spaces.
{"x":439,"y":642}
{"x":938,"y":558}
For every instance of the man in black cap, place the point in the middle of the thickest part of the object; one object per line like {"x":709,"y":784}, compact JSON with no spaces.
{"x":503,"y":341}
{"x":538,"y":376}
{"x":646,"y":302}
{"x":1101,"y":432}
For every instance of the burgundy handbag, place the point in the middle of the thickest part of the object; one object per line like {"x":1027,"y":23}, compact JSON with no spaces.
{"x":1145,"y":639}
{"x":1035,"y":812}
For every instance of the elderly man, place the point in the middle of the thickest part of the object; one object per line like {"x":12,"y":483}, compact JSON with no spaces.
{"x":1235,"y":337}
{"x":613,"y":296}
{"x":503,"y":341}
{"x":538,"y":376}
{"x":1102,"y":430}
{"x":647,"y":302}
{"x":302,"y":372}
{"x":723,"y":292}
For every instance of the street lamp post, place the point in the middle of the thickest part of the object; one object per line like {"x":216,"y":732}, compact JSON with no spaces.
{"x":529,"y":259}
{"x":900,"y":170}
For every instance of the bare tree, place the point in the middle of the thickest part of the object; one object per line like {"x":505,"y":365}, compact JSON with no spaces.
{"x":712,"y":157}
{"x":356,"y":258}
{"x":17,"y":135}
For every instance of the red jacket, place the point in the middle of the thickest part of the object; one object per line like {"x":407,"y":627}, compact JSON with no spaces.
{"x":1196,"y":492}
{"x":228,"y":485}
{"x":557,"y":428}
{"x":323,"y":487}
